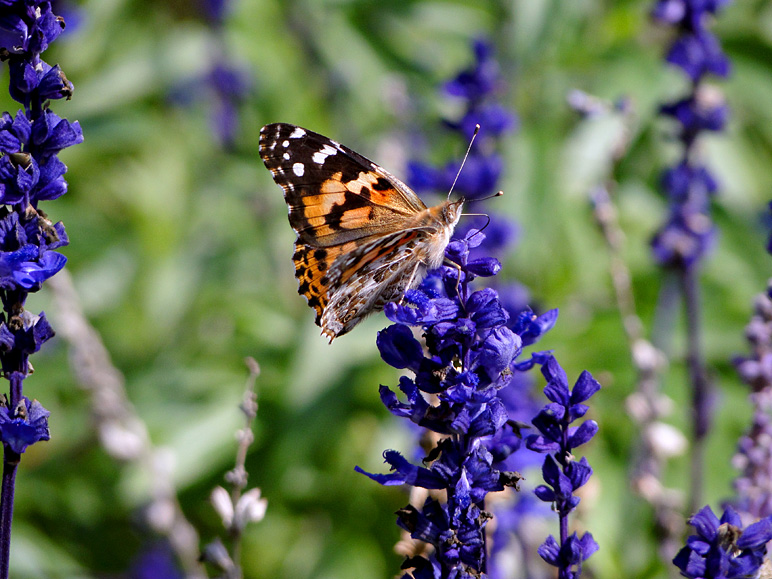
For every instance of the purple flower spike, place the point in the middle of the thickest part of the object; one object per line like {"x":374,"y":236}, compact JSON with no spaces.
{"x":467,"y":383}
{"x":468,"y":361}
{"x":467,"y":365}
{"x":30,"y":173}
{"x":562,"y":473}
{"x":687,"y":235}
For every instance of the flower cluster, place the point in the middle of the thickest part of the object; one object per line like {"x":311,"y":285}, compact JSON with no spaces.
{"x":561,"y":472}
{"x":477,"y":88}
{"x":689,"y":233}
{"x":30,"y":172}
{"x":722,"y":548}
{"x":455,"y":392}
{"x":225,"y":84}
{"x":754,"y":456}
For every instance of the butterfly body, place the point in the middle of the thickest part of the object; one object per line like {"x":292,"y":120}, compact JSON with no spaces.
{"x":363,"y":236}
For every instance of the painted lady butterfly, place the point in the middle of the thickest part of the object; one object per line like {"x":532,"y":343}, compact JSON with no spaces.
{"x":363,"y":237}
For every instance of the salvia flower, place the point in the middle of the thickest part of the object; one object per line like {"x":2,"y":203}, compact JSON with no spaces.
{"x":23,"y":425}
{"x":562,"y":473}
{"x":478,"y":87}
{"x":466,"y":362}
{"x":688,"y":233}
{"x":30,"y":173}
{"x":723,"y":548}
{"x":224,"y":85}
{"x":754,"y":455}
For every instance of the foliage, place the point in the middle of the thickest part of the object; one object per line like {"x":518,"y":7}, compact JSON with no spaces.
{"x":181,"y":254}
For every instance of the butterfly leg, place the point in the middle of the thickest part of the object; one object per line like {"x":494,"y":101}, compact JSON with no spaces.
{"x":457,"y":267}
{"x":409,"y":283}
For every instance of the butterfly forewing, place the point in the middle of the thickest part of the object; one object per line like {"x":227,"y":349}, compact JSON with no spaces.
{"x":363,"y":235}
{"x":334,"y":194}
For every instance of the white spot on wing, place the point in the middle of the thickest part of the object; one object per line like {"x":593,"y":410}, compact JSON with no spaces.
{"x":299,"y":169}
{"x":320,"y":156}
{"x":285,"y":144}
{"x":297,"y":133}
{"x":286,"y":156}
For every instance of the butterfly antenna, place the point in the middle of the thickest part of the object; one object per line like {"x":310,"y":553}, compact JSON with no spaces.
{"x":487,"y":217}
{"x":469,"y":148}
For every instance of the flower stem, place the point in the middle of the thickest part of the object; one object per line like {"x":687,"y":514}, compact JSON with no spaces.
{"x":699,"y":382}
{"x":10,"y":462}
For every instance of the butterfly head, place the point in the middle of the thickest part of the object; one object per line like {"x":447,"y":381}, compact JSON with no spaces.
{"x":450,"y":212}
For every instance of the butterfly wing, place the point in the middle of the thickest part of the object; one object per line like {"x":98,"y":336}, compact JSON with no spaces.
{"x":346,"y":211}
{"x":368,"y":277}
{"x":334,"y":194}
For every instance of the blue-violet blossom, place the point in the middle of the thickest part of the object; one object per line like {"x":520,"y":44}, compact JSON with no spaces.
{"x":469,"y":359}
{"x":30,"y":172}
{"x":225,"y":84}
{"x":689,"y":233}
{"x":723,"y":549}
{"x":478,"y":89}
{"x":562,"y":473}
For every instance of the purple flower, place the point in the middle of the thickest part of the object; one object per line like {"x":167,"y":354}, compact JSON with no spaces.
{"x":478,"y":86}
{"x":698,"y":54}
{"x":695,"y":115}
{"x":155,"y":560}
{"x":564,"y":475}
{"x":30,"y":173}
{"x":27,"y":27}
{"x":685,"y":239}
{"x":479,"y":81}
{"x":469,"y":360}
{"x":688,"y":234}
{"x":25,"y":333}
{"x":224,"y":83}
{"x":722,"y":549}
{"x":570,"y":555}
{"x":215,"y":10}
{"x":467,"y":382}
{"x":24,"y":425}
{"x":686,"y":182}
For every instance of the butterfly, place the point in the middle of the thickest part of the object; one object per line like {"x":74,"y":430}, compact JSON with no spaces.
{"x":363,"y":236}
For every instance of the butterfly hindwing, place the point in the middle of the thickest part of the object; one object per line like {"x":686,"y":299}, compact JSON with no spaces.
{"x":312,"y":270}
{"x":366,"y":278}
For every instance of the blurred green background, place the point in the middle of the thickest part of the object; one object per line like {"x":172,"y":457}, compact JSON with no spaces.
{"x":180,"y":252}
